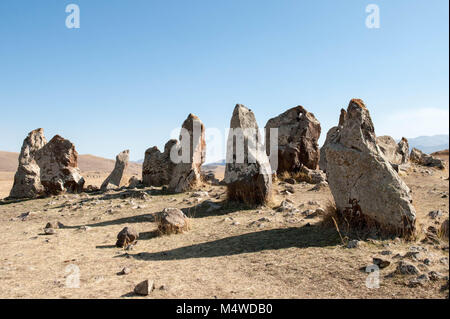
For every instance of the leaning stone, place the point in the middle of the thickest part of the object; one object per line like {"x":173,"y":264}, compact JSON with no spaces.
{"x":117,"y":178}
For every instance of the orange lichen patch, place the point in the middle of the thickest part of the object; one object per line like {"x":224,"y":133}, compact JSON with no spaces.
{"x":358,"y":102}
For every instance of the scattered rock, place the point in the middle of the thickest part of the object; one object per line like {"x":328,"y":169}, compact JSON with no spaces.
{"x":133,"y":182}
{"x":127,"y":236}
{"x":49,"y":231}
{"x":419,"y":281}
{"x":353,"y":244}
{"x":405,"y":268}
{"x":435,"y":214}
{"x":423,"y":159}
{"x":172,"y":220}
{"x":125,"y":271}
{"x":144,"y":288}
{"x":287,"y":207}
{"x":380,"y":262}
{"x":320,"y":186}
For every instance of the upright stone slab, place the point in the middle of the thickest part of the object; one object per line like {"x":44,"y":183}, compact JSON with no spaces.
{"x":298,"y":135}
{"x":192,"y":151}
{"x":118,"y":177}
{"x":331,"y":134}
{"x":157,"y":168}
{"x":248,"y":174}
{"x":395,"y":153}
{"x":58,"y":162}
{"x":27,"y":180}
{"x":363,"y":183}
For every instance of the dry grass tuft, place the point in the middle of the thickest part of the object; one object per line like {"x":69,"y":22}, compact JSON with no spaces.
{"x":362,"y":226}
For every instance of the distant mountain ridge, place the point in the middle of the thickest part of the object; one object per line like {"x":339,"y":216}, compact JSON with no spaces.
{"x":430,"y":144}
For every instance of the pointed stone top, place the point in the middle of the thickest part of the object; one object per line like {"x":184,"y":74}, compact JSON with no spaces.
{"x":357,"y":103}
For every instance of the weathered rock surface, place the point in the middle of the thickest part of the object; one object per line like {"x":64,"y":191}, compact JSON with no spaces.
{"x":126,"y":237}
{"x":248,"y":174}
{"x":423,"y":159}
{"x":157,"y":168}
{"x":331,"y":135}
{"x":117,"y":178}
{"x":187,"y":174}
{"x":58,"y":161}
{"x":46,"y":168}
{"x":172,"y":220}
{"x":363,"y":183}
{"x":396,"y":154}
{"x":298,"y":135}
{"x":144,"y":288}
{"x":27,"y":181}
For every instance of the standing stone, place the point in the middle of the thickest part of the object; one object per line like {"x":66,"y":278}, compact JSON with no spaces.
{"x":117,"y":178}
{"x":423,"y":159}
{"x":58,"y":161}
{"x":396,"y":154}
{"x":157,"y":168}
{"x":192,"y":151}
{"x":248,"y":174}
{"x":363,"y":183}
{"x":332,"y":133}
{"x":27,"y":181}
{"x":298,"y":134}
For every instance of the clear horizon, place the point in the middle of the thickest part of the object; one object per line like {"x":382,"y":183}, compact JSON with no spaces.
{"x":130,"y":75}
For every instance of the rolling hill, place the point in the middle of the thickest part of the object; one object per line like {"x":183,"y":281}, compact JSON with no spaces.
{"x":86,"y":163}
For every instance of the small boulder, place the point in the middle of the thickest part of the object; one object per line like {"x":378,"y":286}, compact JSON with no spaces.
{"x":172,"y":220}
{"x":144,"y":288}
{"x":127,"y":236}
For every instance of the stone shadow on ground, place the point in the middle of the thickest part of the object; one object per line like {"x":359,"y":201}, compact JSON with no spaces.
{"x":273,"y":239}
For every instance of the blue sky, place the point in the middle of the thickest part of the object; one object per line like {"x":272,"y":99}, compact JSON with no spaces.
{"x":135,"y":69}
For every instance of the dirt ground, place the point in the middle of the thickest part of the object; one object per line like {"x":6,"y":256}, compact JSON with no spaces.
{"x":230,"y":252}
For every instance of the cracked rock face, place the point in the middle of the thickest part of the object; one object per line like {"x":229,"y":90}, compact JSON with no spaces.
{"x":58,"y":161}
{"x":396,"y":154}
{"x":157,"y":168}
{"x":248,"y":174}
{"x":46,"y":168}
{"x":360,"y":177}
{"x":192,"y":150}
{"x":298,"y":135}
{"x":27,"y":181}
